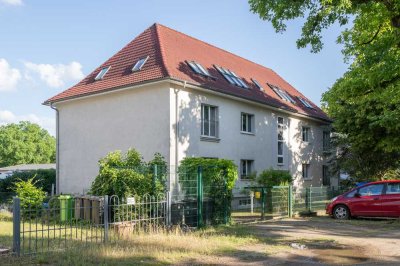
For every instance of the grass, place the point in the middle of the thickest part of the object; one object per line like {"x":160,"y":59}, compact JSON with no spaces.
{"x":209,"y":245}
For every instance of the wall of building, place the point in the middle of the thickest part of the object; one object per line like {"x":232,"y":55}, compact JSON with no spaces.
{"x":92,"y":127}
{"x":261,"y":146}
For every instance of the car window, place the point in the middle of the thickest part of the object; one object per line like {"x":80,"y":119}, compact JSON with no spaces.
{"x":371,"y":190}
{"x":393,"y":188}
{"x":351,"y":194}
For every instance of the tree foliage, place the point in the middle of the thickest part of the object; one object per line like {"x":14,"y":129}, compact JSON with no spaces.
{"x":272,"y":177}
{"x":43,"y":179}
{"x":25,"y":143}
{"x":31,"y":196}
{"x":128,"y":174}
{"x":365,"y":102}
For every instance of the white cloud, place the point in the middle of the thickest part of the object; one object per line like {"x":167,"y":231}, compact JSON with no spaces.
{"x":56,"y":75}
{"x":47,"y":123}
{"x":12,"y":2}
{"x":9,"y":77}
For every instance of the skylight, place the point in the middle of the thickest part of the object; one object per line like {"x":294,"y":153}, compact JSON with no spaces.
{"x":281,"y":93}
{"x":306,"y":103}
{"x":257,"y":84}
{"x":231,"y":77}
{"x":102,"y":73}
{"x":197,"y":68}
{"x":139,"y":64}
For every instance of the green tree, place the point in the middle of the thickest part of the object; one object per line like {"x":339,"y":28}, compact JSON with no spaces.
{"x":365,"y":102}
{"x":25,"y":143}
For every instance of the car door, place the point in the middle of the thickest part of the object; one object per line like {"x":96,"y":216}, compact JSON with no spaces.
{"x":368,"y":201}
{"x":391,"y":200}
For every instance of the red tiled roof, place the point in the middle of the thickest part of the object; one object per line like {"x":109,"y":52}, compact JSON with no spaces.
{"x":168,"y":51}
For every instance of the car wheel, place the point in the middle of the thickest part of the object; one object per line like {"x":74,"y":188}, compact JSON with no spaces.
{"x":341,"y":212}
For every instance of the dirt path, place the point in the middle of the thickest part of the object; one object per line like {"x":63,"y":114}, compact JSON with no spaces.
{"x":327,"y":241}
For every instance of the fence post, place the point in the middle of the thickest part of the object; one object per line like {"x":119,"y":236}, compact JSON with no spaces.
{"x":290,"y":201}
{"x":262,"y":203}
{"x":105,"y":210}
{"x":16,"y":226}
{"x":226,"y":198}
{"x":199,"y":196}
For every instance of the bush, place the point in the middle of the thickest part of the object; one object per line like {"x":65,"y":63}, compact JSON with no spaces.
{"x":125,"y":175}
{"x":31,"y":196}
{"x":271,"y":177}
{"x":219,"y":176}
{"x":43,"y":178}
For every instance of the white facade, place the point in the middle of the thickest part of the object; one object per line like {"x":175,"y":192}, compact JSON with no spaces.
{"x":166,"y":117}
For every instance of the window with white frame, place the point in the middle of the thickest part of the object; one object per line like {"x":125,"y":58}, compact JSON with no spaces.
{"x":247,"y":123}
{"x":281,"y":140}
{"x":282,"y":93}
{"x":244,"y":202}
{"x":139,"y":64}
{"x":246,"y":169}
{"x":209,"y":121}
{"x":305,"y":171}
{"x":306,"y":134}
{"x":102,"y":73}
{"x":231,"y":77}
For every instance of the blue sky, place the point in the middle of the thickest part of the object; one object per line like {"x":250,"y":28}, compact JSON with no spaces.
{"x":47,"y":46}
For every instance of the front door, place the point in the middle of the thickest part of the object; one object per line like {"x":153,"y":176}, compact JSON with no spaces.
{"x":369,"y":202}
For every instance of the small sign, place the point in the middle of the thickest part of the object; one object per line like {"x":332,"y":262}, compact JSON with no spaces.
{"x":130,"y":201}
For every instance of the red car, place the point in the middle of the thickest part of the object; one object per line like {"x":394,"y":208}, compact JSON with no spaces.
{"x":376,"y":199}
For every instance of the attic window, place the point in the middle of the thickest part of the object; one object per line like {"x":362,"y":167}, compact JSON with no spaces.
{"x":281,"y":93}
{"x":102,"y":73}
{"x":231,"y":77}
{"x":305,"y":102}
{"x":139,"y":64}
{"x":257,"y":84}
{"x":197,"y":68}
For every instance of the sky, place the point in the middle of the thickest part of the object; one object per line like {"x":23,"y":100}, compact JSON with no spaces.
{"x":47,"y":46}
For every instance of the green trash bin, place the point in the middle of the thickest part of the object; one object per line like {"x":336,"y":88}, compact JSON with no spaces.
{"x":66,"y":208}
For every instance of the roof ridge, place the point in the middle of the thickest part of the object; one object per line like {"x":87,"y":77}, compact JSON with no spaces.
{"x":212,"y":45}
{"x":161,"y":47}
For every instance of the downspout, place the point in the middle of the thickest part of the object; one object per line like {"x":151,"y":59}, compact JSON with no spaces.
{"x":177,"y":123}
{"x":57,"y":150}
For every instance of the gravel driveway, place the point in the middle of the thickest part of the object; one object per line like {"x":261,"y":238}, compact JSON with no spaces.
{"x":323,"y":240}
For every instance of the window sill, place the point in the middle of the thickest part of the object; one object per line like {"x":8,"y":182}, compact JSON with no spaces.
{"x":209,"y":139}
{"x":307,"y":179}
{"x":247,"y":133}
{"x":280,"y":164}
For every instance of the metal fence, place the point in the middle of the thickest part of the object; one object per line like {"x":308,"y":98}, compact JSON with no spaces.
{"x":285,"y":201}
{"x":67,"y":221}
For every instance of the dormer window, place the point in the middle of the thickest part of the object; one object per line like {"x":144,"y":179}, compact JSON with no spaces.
{"x":139,"y":64}
{"x":257,"y":84}
{"x":231,"y":77}
{"x":102,"y":73}
{"x":305,"y":102}
{"x":281,"y":93}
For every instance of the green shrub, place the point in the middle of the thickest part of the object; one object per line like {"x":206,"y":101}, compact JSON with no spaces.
{"x":43,"y":179}
{"x":219,"y":176}
{"x":128,"y":174}
{"x":271,"y":177}
{"x":31,"y":196}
